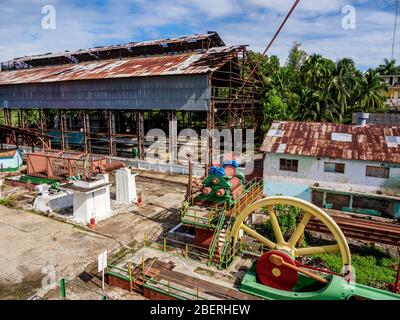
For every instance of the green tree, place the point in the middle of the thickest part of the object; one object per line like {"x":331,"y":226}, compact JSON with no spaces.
{"x":371,"y":93}
{"x":388,"y":67}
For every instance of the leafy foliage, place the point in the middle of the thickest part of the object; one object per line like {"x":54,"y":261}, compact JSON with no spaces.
{"x":315,"y":88}
{"x":286,"y":215}
{"x":9,"y":202}
{"x":372,"y":266}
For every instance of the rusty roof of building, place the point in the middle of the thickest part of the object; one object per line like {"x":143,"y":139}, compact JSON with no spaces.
{"x":190,"y":43}
{"x":329,"y":140}
{"x":185,"y":63}
{"x":7,"y":153}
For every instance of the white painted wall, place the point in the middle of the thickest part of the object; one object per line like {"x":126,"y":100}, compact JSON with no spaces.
{"x":311,"y":170}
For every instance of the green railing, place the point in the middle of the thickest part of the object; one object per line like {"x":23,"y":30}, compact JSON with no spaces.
{"x":247,"y":196}
{"x":189,"y":218}
{"x":218,"y":229}
{"x":229,"y":253}
{"x":170,"y":290}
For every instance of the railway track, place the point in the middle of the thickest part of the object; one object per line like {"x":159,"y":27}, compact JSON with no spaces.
{"x":362,"y":229}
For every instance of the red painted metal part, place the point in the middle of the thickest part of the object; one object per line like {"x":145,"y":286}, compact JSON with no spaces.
{"x":281,"y":277}
{"x":317,"y":269}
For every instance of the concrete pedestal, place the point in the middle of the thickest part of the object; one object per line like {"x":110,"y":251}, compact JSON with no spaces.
{"x":125,"y":186}
{"x":91,"y":199}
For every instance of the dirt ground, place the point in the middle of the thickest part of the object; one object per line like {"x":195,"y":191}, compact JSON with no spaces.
{"x":33,"y":246}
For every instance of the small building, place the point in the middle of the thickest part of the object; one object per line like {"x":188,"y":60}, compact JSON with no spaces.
{"x":393,"y":92}
{"x":10,"y":160}
{"x":382,"y":119}
{"x":345,"y":167}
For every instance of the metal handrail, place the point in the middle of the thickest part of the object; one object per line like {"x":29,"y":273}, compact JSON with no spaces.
{"x":217,"y":231}
{"x":228,"y":254}
{"x":149,"y":281}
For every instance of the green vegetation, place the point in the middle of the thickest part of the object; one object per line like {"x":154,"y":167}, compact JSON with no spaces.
{"x":373,"y":267}
{"x":286,"y":216}
{"x":314,"y":88}
{"x":9,"y":202}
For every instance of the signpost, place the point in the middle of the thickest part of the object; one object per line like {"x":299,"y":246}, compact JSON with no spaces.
{"x":102,"y":264}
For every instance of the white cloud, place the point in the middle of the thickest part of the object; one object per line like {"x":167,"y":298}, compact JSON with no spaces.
{"x":315,"y":23}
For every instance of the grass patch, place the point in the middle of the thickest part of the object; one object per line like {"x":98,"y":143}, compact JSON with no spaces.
{"x":372,"y":265}
{"x":9,"y":202}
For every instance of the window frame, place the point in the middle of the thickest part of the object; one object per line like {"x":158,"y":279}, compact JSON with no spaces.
{"x":293,"y":167}
{"x":337,"y":164}
{"x":386,"y":172}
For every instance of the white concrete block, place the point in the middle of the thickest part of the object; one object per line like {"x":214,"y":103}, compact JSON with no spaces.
{"x":125,"y":186}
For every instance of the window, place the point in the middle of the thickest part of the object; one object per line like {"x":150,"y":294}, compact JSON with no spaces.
{"x":377,"y":172}
{"x":288,"y":165}
{"x":334,"y":167}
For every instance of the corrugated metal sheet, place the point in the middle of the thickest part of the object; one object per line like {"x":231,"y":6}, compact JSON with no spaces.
{"x":368,"y":143}
{"x":384,"y":119}
{"x":184,"y":92}
{"x":129,"y":45}
{"x":180,"y":64}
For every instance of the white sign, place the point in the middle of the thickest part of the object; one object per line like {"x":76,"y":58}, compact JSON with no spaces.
{"x":102,"y":261}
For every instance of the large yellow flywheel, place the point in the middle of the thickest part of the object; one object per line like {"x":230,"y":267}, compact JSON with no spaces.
{"x":309,"y":210}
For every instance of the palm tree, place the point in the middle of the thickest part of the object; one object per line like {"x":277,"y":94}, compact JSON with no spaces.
{"x":342,"y":84}
{"x":371,"y":93}
{"x":388,"y":67}
{"x":316,"y":70}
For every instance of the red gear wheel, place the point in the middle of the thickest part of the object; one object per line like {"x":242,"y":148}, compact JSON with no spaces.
{"x":278,"y":277}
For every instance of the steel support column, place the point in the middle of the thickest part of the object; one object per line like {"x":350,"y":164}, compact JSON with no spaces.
{"x":140,"y":133}
{"x":62,"y":121}
{"x":173,"y":136}
{"x":111,"y":132}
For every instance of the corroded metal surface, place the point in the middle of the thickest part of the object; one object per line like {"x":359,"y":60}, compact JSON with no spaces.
{"x":179,"y":64}
{"x":169,"y":45}
{"x":368,"y":143}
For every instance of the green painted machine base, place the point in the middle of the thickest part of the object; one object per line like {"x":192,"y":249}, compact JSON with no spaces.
{"x":309,"y":289}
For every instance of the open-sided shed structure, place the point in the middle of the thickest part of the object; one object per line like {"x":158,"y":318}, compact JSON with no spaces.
{"x":118,"y":91}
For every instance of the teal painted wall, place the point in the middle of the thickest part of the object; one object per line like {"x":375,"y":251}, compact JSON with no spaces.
{"x":11,"y":162}
{"x":397,"y":210}
{"x":273,"y":188}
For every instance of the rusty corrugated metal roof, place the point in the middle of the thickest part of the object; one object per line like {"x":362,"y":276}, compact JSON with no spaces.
{"x":185,"y":63}
{"x":369,"y":142}
{"x":167,"y":41}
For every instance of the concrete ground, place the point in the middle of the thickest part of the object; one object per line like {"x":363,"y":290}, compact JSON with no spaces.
{"x":33,"y":247}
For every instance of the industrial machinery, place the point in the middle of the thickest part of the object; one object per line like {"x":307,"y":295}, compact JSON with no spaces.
{"x":223,"y":184}
{"x":278,"y":273}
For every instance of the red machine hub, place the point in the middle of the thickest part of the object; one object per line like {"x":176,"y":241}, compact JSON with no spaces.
{"x":278,"y":277}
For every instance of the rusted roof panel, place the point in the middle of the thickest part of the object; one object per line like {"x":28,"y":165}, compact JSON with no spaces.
{"x":179,"y":64}
{"x":368,"y":143}
{"x":129,"y":45}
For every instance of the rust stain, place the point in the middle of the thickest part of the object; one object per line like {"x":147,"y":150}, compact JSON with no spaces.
{"x":315,"y":140}
{"x":178,"y":64}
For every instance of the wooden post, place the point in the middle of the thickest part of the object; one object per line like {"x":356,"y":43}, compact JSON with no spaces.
{"x":62,"y":128}
{"x":140,"y":133}
{"x":111,"y":132}
{"x":86,"y":131}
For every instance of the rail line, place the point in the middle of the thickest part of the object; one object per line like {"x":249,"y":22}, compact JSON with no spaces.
{"x":362,"y":229}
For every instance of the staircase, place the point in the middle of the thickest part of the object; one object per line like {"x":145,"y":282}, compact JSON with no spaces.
{"x":220,"y":244}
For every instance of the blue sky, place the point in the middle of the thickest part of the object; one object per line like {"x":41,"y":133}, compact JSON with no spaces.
{"x":317,"y":24}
